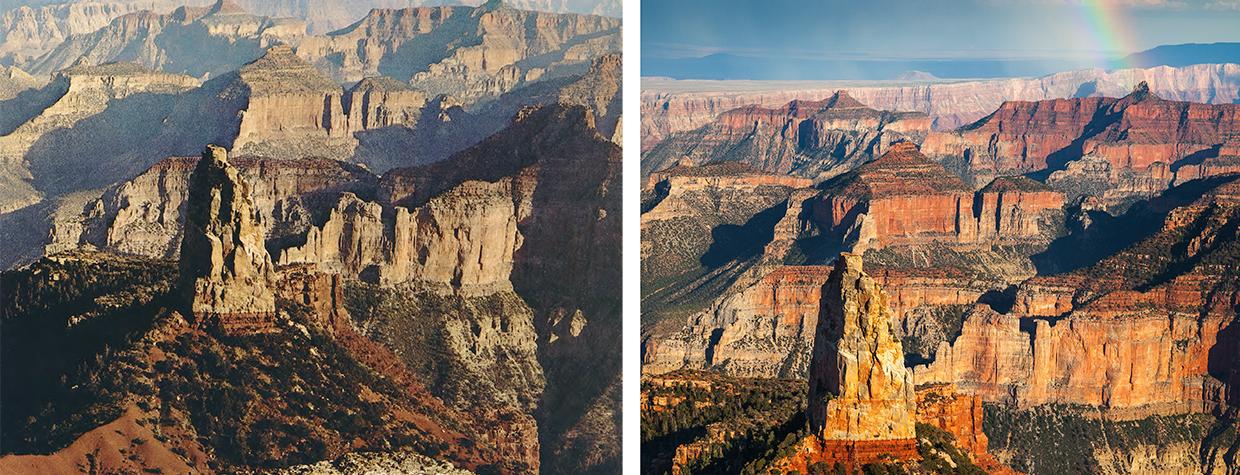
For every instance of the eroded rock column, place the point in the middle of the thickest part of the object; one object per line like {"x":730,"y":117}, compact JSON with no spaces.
{"x":226,"y":273}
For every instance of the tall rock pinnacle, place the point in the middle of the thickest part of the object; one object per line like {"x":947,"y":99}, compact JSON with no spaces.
{"x":226,"y":273}
{"x":859,"y":389}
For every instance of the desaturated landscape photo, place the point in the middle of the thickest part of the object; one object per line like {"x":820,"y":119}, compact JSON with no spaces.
{"x":310,"y":237}
{"x":984,"y":236}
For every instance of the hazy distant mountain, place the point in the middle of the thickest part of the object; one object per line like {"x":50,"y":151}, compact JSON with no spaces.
{"x":731,"y":66}
{"x":1185,"y":54}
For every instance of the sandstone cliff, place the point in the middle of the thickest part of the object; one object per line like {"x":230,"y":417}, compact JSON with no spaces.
{"x":198,"y":41}
{"x":1131,"y":145}
{"x":677,"y":106}
{"x":859,"y":389}
{"x":905,"y":198}
{"x":508,"y":47}
{"x":813,"y":139}
{"x":74,"y":95}
{"x":226,"y":274}
{"x":290,"y":109}
{"x":1136,"y":334}
{"x":144,"y":215}
{"x":29,"y":31}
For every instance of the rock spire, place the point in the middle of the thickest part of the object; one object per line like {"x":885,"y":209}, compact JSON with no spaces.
{"x":859,"y":389}
{"x":226,"y":273}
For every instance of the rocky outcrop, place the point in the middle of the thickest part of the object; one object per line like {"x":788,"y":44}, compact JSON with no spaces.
{"x":74,"y":95}
{"x":905,"y":198}
{"x":599,"y":91}
{"x":29,"y":31}
{"x":291,"y":109}
{"x":13,"y":81}
{"x":961,"y":415}
{"x":503,"y":43}
{"x":144,"y":215}
{"x":812,"y":139}
{"x":670,"y":107}
{"x":862,"y":404}
{"x":859,"y":389}
{"x":375,"y":103}
{"x":462,"y":240}
{"x":1140,"y":137}
{"x":1138,"y":333}
{"x":226,"y":275}
{"x":677,"y":187}
{"x":198,"y":41}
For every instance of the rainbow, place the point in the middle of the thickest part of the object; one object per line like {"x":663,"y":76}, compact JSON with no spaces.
{"x":1108,"y":28}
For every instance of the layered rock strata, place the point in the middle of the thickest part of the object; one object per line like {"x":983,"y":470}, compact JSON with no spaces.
{"x":198,"y":41}
{"x":670,"y":107}
{"x":507,"y":47}
{"x":1138,"y":333}
{"x":903,"y":197}
{"x":143,"y":215}
{"x":29,"y":31}
{"x":226,"y":275}
{"x":859,"y":389}
{"x":813,"y":139}
{"x":1140,"y":134}
{"x":74,"y":95}
{"x":861,"y":397}
{"x":291,"y":109}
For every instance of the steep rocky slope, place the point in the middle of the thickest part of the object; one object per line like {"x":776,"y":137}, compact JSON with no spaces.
{"x":678,"y":106}
{"x":324,"y":16}
{"x":143,"y":215}
{"x":534,"y":201}
{"x":14,"y":81}
{"x":1157,"y":313}
{"x":198,"y":41}
{"x":226,"y":275}
{"x":861,"y":400}
{"x":306,"y":369}
{"x":936,"y":246}
{"x":813,"y":139}
{"x":1140,"y":135}
{"x":76,"y":94}
{"x":467,"y":52}
{"x":29,"y":31}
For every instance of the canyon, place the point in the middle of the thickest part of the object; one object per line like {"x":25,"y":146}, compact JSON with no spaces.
{"x":669,"y":106}
{"x":1056,"y":264}
{"x":814,"y":139}
{"x":366,"y":258}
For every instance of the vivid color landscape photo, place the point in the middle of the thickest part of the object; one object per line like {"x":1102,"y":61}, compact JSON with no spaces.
{"x":983,"y":236}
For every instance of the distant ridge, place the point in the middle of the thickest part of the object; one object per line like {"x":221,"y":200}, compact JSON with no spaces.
{"x":1184,"y":55}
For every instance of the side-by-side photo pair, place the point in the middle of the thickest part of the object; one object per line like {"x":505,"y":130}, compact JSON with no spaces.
{"x":367,"y":237}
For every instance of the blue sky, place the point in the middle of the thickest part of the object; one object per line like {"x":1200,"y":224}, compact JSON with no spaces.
{"x":970,"y":29}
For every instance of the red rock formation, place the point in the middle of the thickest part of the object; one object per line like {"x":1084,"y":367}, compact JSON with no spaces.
{"x":762,"y":329}
{"x":1133,"y":335}
{"x":903,"y":197}
{"x":1136,"y":132}
{"x":669,"y":107}
{"x":813,"y":139}
{"x":859,"y":388}
{"x":961,"y":416}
